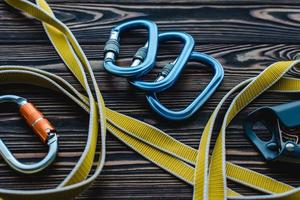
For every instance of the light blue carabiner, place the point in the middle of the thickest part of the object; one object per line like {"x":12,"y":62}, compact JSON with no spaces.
{"x":201,"y":98}
{"x":171,"y":72}
{"x":144,"y":59}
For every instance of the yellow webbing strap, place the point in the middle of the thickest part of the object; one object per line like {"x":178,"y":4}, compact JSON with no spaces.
{"x":209,"y":174}
{"x":214,"y":178}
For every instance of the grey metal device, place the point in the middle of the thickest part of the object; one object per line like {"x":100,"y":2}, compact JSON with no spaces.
{"x":283,"y":124}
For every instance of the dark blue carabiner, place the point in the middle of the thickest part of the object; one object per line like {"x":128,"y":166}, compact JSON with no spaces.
{"x":201,"y":98}
{"x":144,"y":60}
{"x":173,"y":69}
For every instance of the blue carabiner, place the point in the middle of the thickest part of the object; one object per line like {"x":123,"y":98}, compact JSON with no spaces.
{"x":145,"y":57}
{"x":172,"y":71}
{"x":201,"y":98}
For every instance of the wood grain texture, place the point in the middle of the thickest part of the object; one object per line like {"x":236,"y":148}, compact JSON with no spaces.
{"x":245,"y":36}
{"x":91,"y":22}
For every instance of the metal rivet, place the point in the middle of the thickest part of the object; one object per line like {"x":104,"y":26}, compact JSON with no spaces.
{"x":290,"y":147}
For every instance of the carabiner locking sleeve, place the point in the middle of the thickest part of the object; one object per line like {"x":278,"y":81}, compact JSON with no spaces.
{"x":200,"y":99}
{"x":172,"y":71}
{"x":42,"y":128}
{"x":143,"y":60}
{"x":283,"y":123}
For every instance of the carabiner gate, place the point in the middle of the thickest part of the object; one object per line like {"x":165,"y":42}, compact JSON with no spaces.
{"x":199,"y":100}
{"x":283,"y":122}
{"x":42,"y":128}
{"x":171,"y":71}
{"x":143,"y":60}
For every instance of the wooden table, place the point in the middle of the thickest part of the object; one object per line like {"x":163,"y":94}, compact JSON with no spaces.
{"x":245,"y":36}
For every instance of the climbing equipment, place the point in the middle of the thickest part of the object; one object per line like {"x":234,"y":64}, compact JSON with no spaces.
{"x":210,"y":172}
{"x":282,"y":123}
{"x":201,"y":98}
{"x":42,"y":128}
{"x":144,"y":59}
{"x":169,"y":73}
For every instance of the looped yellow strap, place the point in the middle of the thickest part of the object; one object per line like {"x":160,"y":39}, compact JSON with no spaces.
{"x":209,"y":175}
{"x":217,"y":170}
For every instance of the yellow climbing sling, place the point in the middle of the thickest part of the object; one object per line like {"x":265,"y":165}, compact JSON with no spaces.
{"x":206,"y":173}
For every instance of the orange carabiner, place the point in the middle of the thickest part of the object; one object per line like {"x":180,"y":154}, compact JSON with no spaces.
{"x":42,"y":128}
{"x":34,"y":118}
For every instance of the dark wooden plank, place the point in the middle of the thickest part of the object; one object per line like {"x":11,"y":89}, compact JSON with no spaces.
{"x":124,"y":169}
{"x":245,"y":36}
{"x":207,"y":23}
{"x":138,"y":178}
{"x":196,"y":2}
{"x":248,"y":59}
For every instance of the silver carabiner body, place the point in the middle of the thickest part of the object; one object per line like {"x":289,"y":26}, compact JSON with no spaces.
{"x":42,"y":128}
